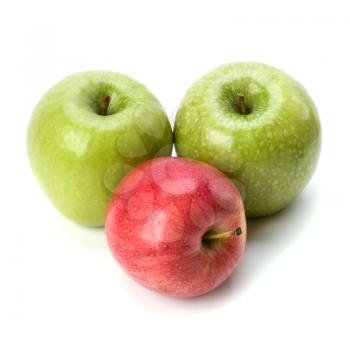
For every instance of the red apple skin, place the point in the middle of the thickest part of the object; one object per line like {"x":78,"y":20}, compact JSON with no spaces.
{"x":158,"y":216}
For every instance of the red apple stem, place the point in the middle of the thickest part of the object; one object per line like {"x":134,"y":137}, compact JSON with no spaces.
{"x":242,"y":108}
{"x":220,"y":235}
{"x":104,"y":106}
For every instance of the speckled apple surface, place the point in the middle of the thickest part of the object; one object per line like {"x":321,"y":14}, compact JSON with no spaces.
{"x":271,"y":151}
{"x":157,"y":219}
{"x":78,"y":155}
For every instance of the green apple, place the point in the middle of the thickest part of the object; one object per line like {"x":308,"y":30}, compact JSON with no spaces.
{"x":257,"y":125}
{"x":86,"y":133}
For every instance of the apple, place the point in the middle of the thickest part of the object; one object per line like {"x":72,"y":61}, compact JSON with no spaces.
{"x":86,"y":133}
{"x":177,"y":226}
{"x":257,"y":125}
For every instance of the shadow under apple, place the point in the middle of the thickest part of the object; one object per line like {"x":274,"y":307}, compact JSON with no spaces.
{"x":86,"y":238}
{"x":267,"y":239}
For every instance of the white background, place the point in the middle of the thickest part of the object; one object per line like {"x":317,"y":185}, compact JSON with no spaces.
{"x":60,"y":287}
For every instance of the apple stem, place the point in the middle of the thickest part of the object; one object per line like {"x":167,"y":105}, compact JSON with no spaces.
{"x":242,"y":108}
{"x":104,"y":106}
{"x":220,"y":235}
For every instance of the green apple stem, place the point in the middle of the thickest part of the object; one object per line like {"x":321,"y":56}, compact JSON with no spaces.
{"x":242,"y":107}
{"x":221,"y":235}
{"x":104,"y":106}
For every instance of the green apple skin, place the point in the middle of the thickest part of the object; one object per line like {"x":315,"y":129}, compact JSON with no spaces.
{"x":79,"y":155}
{"x":269,"y":146}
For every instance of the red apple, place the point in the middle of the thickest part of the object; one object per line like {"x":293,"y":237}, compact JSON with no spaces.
{"x":177,"y":226}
